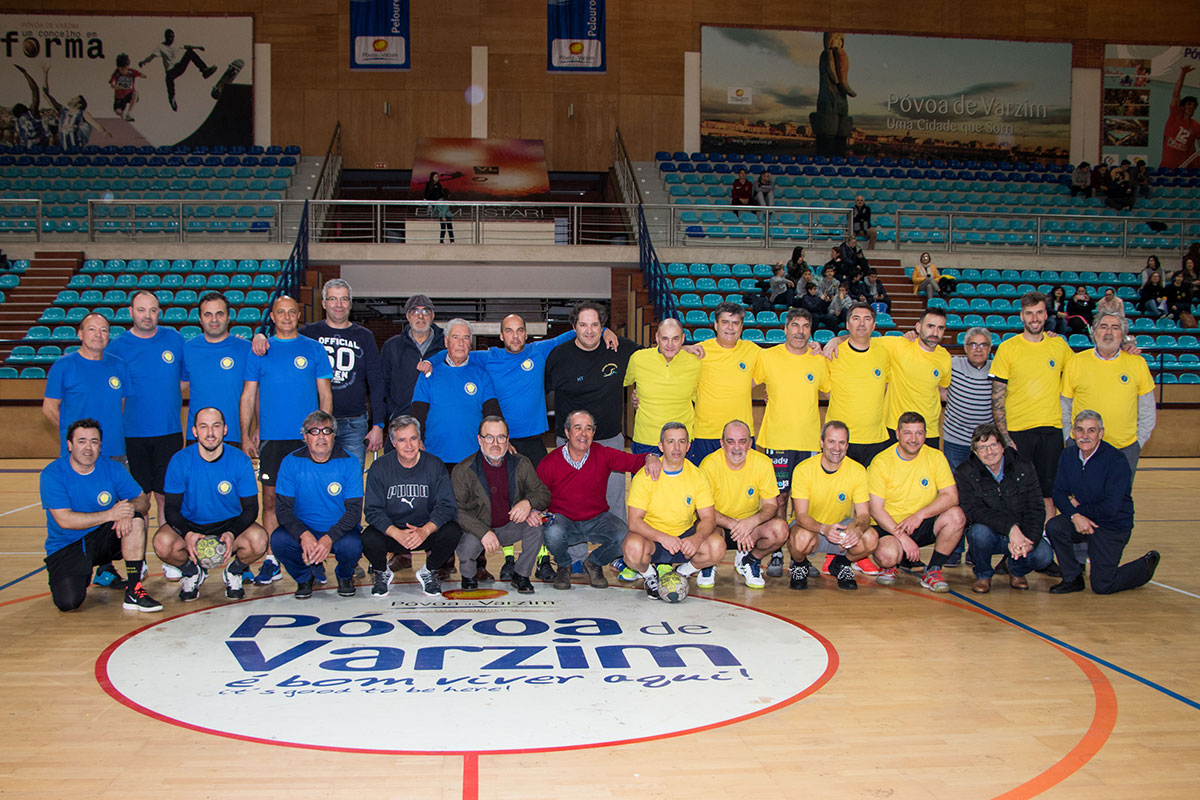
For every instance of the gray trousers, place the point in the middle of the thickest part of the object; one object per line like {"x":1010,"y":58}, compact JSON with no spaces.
{"x":530,"y":538}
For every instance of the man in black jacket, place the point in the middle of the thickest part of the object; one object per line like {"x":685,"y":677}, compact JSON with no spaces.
{"x":420,"y":340}
{"x":999,"y":493}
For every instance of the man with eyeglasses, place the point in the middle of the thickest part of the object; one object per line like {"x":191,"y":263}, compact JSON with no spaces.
{"x":500,"y":502}
{"x":420,"y":341}
{"x":281,"y":389}
{"x":319,"y":502}
{"x":1000,"y":495}
{"x":969,"y":398}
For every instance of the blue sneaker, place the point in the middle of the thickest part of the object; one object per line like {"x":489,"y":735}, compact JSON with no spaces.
{"x":269,"y":573}
{"x":318,"y":573}
{"x":577,"y":567}
{"x":624,"y":573}
{"x":107,"y":575}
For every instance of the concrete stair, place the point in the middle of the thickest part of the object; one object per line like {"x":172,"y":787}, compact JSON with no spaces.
{"x":48,"y":274}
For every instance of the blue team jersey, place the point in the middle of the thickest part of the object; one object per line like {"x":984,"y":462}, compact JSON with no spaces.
{"x":154,"y":366}
{"x":319,"y":490}
{"x":62,"y":487}
{"x":212,"y":490}
{"x":287,"y":385}
{"x":91,"y":389}
{"x":520,"y":381}
{"x":455,"y":396}
{"x":216,"y":373}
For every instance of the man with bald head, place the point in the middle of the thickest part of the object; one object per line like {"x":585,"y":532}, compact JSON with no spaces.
{"x":281,"y":388}
{"x":665,"y":380}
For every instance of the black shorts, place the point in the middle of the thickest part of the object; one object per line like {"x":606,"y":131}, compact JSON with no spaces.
{"x":785,"y":462}
{"x":75,"y":561}
{"x":271,"y":454}
{"x":1042,"y":448}
{"x":120,"y":103}
{"x":215,"y":528}
{"x":662,"y":556}
{"x":149,"y":456}
{"x":863,"y":453}
{"x":923,"y":535}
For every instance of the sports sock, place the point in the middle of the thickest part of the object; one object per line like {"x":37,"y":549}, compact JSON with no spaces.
{"x":133,"y":570}
{"x":686,"y":569}
{"x":189,"y":568}
{"x":509,"y":550}
{"x":650,"y":571}
{"x":937,"y":560}
{"x":236,"y":567}
{"x":838,"y":562}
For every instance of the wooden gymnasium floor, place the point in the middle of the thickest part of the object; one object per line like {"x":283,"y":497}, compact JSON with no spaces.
{"x":1012,"y":695}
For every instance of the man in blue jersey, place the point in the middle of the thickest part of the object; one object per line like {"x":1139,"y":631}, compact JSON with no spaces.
{"x":319,"y":502}
{"x":454,"y":397}
{"x":95,"y":511}
{"x":154,"y":357}
{"x":214,"y":364}
{"x":210,"y":491}
{"x":91,"y":383}
{"x":281,"y":389}
{"x":354,"y":358}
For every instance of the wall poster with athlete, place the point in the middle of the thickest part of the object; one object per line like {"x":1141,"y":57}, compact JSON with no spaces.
{"x":1149,"y":105}
{"x":72,"y":81}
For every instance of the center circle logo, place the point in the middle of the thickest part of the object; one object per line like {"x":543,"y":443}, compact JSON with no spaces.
{"x":878,"y":373}
{"x":470,"y":388}
{"x":924,"y":481}
{"x":263,"y":669}
{"x":334,"y":489}
{"x":226,"y":363}
{"x":104,"y":498}
{"x":1124,"y":379}
{"x":114,"y":382}
{"x":527,"y":364}
{"x":301,"y":362}
{"x":168,"y":356}
{"x":224,"y":487}
{"x":1052,"y":363}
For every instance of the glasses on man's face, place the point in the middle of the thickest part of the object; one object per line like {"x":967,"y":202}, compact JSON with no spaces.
{"x":977,"y":345}
{"x":421,"y":311}
{"x":326,"y":431}
{"x":493,"y":438}
{"x":985,"y":447}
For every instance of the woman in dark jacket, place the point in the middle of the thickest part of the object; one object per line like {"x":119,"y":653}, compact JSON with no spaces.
{"x":437,"y":196}
{"x":1079,"y":311}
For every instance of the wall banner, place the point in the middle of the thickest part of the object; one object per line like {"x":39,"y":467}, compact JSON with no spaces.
{"x":1145,"y":108}
{"x":575,"y":36}
{"x":379,"y":34}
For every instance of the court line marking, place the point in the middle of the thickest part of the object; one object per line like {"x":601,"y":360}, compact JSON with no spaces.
{"x":1173,"y":589}
{"x":22,"y":508}
{"x":23,"y":577}
{"x":1060,"y":643}
{"x":470,"y":776}
{"x":18,"y":553}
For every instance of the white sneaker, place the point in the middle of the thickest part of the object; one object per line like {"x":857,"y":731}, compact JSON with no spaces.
{"x":382,"y":585}
{"x":171,"y":573}
{"x":706,"y":578}
{"x":189,"y":586}
{"x":750,"y":569}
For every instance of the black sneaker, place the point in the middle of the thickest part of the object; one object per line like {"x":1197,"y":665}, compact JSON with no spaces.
{"x":506,"y":571}
{"x":233,"y":584}
{"x":136,"y":599}
{"x":303,"y":590}
{"x":346,"y":587}
{"x":430,"y":585}
{"x":545,"y":570}
{"x":522,"y":584}
{"x":844,"y":571}
{"x":469,"y":583}
{"x":359,"y":572}
{"x":189,"y":585}
{"x":799,"y":575}
{"x":107,"y":575}
{"x":775,"y":565}
{"x":383,"y":581}
{"x":651,"y":584}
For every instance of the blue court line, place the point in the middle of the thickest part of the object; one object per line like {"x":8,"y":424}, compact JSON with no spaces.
{"x":1145,"y":681}
{"x":23,"y":577}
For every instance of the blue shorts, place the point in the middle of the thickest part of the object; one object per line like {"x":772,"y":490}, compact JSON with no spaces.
{"x":637,"y":448}
{"x":785,"y":462}
{"x":662,"y":556}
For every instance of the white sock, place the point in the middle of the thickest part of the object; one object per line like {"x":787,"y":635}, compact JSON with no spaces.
{"x":686,"y":569}
{"x":650,"y":572}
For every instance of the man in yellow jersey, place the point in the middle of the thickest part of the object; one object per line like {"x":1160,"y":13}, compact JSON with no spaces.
{"x":665,"y":380}
{"x":915,"y":503}
{"x":671,"y":520}
{"x":1115,"y":384}
{"x":726,"y":378}
{"x":746,"y":499}
{"x":920,"y":374}
{"x":858,"y":376}
{"x":1026,"y":379}
{"x":830,"y":499}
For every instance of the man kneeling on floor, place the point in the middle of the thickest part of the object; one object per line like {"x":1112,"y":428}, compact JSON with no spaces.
{"x":671,"y":520}
{"x":500,"y":501}
{"x":915,"y":503}
{"x":319,"y":502}
{"x":1001,"y":497}
{"x":95,"y":511}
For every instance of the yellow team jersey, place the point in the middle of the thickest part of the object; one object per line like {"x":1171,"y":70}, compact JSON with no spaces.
{"x":665,"y":391}
{"x":1033,"y":371}
{"x":858,"y":380}
{"x":1111,"y":389}
{"x":671,"y":501}
{"x":792,"y":420}
{"x":916,"y":378}
{"x":908,"y":486}
{"x":726,"y":378}
{"x":831,"y":496}
{"x":739,"y":494}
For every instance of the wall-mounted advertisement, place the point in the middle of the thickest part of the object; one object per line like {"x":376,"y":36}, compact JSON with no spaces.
{"x":72,"y":81}
{"x":1148,"y":105}
{"x":834,"y":94}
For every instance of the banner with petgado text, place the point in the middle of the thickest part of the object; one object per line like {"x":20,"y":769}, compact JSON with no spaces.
{"x":575,"y":36}
{"x":379,"y":34}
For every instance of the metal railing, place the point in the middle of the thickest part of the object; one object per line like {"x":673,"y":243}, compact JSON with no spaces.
{"x":653,"y":273}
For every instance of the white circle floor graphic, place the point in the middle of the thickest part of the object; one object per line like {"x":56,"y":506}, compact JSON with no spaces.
{"x":413,"y":674}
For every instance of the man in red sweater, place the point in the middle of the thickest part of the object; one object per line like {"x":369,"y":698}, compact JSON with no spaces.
{"x":577,"y":475}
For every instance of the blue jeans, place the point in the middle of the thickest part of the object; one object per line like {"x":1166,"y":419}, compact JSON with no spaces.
{"x":347,"y":550}
{"x":986,"y":543}
{"x":351,"y":435}
{"x":605,"y":530}
{"x":955,"y":453}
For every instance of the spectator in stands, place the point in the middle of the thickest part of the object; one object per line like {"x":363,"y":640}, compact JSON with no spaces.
{"x":1188,"y":272}
{"x":1056,"y":318}
{"x":827,"y":286}
{"x":841,"y":302}
{"x":742,"y":191}
{"x":1081,"y":180}
{"x":1179,"y":296}
{"x":797,"y":266}
{"x":806,"y":279}
{"x":1154,"y":296}
{"x":1141,"y":179}
{"x":1152,"y":266}
{"x":1181,"y":132}
{"x":764,"y":189}
{"x":1110,"y":302}
{"x":925,"y":277}
{"x":1079,"y":311}
{"x":1120,"y":190}
{"x":818,"y":306}
{"x":874,"y":290}
{"x":843,"y":270}
{"x":1100,"y":181}
{"x":779,"y":288}
{"x":1193,"y":253}
{"x":436,"y":195}
{"x":862,"y":222}
{"x":853,"y":255}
